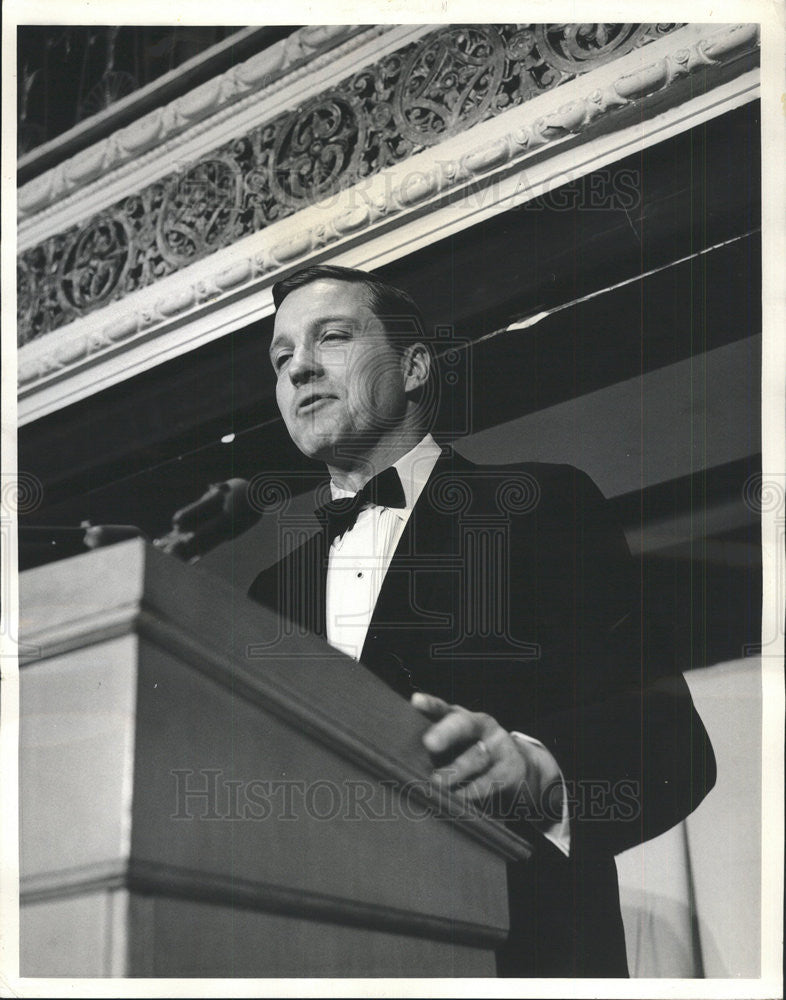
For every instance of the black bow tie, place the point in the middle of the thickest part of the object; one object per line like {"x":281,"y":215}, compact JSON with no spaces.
{"x":384,"y":490}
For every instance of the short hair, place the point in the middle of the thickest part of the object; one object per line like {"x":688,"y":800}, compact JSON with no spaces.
{"x":396,"y":308}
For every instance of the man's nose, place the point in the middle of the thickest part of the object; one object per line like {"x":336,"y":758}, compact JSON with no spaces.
{"x":303,"y":365}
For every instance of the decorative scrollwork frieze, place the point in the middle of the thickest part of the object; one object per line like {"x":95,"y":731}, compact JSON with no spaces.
{"x":572,"y":48}
{"x":448,"y":82}
{"x":316,"y":147}
{"x":266,"y":72}
{"x":428,"y":91}
{"x":93,"y":264}
{"x":199,"y":211}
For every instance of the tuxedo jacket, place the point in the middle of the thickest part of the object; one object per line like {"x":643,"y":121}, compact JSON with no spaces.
{"x":512,"y":592}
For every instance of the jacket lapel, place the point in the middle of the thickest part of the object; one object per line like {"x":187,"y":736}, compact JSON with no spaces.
{"x":302,"y":585}
{"x":417,"y":569}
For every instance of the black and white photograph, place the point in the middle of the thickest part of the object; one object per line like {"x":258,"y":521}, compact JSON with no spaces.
{"x":393,"y":500}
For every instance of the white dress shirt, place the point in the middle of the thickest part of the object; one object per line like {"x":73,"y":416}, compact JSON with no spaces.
{"x":357,"y":564}
{"x":359,"y":559}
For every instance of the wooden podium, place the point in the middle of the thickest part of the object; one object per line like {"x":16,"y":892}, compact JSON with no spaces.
{"x":206,"y":792}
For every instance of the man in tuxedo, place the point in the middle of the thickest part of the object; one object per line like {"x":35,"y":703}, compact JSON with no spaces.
{"x":502,"y":601}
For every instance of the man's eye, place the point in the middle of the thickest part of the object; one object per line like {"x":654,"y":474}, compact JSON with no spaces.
{"x":280,"y":361}
{"x":335,"y":335}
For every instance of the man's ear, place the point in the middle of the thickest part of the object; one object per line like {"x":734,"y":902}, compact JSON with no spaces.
{"x":416,"y":364}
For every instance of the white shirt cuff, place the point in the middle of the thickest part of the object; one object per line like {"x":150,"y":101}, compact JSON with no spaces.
{"x":557,"y":831}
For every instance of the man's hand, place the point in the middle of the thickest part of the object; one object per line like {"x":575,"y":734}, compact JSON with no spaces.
{"x":471,"y":751}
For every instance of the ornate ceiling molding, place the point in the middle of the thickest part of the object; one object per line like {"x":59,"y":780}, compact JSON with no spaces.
{"x":550,"y":53}
{"x":264,"y":71}
{"x":532,"y":58}
{"x":183,"y":131}
{"x":230,"y":287}
{"x":413,"y":97}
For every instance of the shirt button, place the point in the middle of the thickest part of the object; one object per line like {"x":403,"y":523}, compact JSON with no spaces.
{"x":360,"y":576}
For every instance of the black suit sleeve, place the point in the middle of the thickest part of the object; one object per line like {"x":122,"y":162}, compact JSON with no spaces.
{"x":615,"y":709}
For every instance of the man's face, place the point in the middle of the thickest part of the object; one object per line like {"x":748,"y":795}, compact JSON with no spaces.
{"x":340,"y":383}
